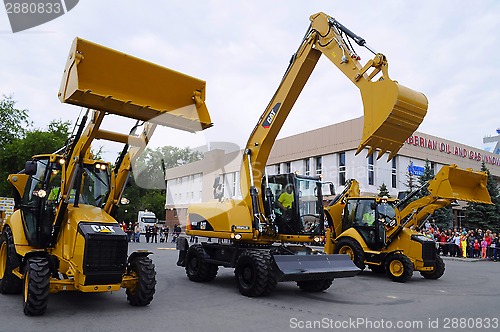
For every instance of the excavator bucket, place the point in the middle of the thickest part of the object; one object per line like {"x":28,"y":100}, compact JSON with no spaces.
{"x":101,"y":78}
{"x":314,"y":267}
{"x":392,"y":112}
{"x":461,"y":184}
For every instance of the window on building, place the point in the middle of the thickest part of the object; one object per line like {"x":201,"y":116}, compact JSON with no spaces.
{"x":279,"y":168}
{"x":394,"y":173}
{"x":433,"y":167}
{"x":342,"y":168}
{"x":319,"y":165}
{"x":308,"y":166}
{"x":288,"y":167}
{"x":371,"y":170}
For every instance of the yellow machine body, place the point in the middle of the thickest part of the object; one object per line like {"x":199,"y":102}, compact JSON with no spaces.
{"x":64,"y":231}
{"x":400,"y":233}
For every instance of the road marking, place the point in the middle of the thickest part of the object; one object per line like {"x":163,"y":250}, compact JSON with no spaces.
{"x":392,"y":297}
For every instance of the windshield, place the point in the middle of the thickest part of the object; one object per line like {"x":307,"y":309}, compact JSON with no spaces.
{"x":149,"y":220}
{"x":386,"y":211}
{"x":95,"y":186}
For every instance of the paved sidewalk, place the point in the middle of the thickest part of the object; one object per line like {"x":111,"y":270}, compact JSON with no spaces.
{"x":470,"y":260}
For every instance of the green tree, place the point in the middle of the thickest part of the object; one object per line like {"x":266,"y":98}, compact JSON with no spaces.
{"x":485,"y":215}
{"x":148,"y":171}
{"x":13,"y":121}
{"x":411,"y":182}
{"x":14,"y":155}
{"x":150,"y":175}
{"x":383,"y":191}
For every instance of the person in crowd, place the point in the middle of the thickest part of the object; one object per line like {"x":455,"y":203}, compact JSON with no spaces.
{"x":471,"y":238}
{"x":495,"y":244}
{"x":477,"y":248}
{"x":455,"y":245}
{"x":167,"y":230}
{"x":154,"y":233}
{"x":484,"y":247}
{"x":148,"y":233}
{"x":463,"y":244}
{"x":137,"y":233}
{"x":488,"y":238}
{"x":443,"y":243}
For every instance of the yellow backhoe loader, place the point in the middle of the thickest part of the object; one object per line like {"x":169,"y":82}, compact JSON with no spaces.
{"x":63,"y":235}
{"x":383,"y":233}
{"x":279,"y":214}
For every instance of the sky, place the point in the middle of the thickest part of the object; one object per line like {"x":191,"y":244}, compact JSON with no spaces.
{"x":447,"y":50}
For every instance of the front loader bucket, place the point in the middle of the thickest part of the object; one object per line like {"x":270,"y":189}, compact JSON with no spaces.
{"x":314,"y":267}
{"x":392,"y":112}
{"x":101,"y":78}
{"x":461,"y":184}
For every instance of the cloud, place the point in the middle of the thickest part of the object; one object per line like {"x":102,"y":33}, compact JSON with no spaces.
{"x":242,"y":49}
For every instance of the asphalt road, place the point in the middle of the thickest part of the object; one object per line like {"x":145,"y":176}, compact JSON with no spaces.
{"x":466,"y":297}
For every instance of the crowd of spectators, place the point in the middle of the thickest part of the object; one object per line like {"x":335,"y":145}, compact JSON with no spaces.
{"x":466,"y":243}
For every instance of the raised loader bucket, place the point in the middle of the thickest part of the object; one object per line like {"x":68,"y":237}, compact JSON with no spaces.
{"x":392,"y":112}
{"x":314,"y":267}
{"x":101,"y":78}
{"x":452,"y":182}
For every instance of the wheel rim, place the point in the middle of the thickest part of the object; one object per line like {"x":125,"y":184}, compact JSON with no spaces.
{"x":193,"y":264}
{"x":247,"y":276}
{"x":397,"y":268}
{"x":347,"y":251}
{"x":3,"y":259}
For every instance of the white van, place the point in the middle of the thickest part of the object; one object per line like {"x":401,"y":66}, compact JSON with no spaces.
{"x":146,"y":218}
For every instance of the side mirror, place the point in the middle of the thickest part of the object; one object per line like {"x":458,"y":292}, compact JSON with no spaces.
{"x":30,"y":167}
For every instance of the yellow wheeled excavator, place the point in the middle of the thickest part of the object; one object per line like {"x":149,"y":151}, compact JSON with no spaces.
{"x":383,"y":233}
{"x":279,"y":214}
{"x":63,"y":235}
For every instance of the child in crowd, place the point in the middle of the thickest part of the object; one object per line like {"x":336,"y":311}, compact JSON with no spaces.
{"x":484,"y":247}
{"x":477,"y":246}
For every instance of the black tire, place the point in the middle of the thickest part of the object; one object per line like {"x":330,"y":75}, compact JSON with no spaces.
{"x":36,"y":286}
{"x":438,"y":270}
{"x":197,"y":269}
{"x":9,"y":260}
{"x":377,"y":268}
{"x":254,"y":273}
{"x":142,"y":293}
{"x":353,"y":249}
{"x":398,"y":267}
{"x":314,"y":286}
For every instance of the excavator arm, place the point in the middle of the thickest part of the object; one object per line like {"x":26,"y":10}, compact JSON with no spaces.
{"x":392,"y":112}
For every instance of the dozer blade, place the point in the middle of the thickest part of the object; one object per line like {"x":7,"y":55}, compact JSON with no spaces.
{"x":461,"y":184}
{"x":392,"y":112}
{"x":314,"y":267}
{"x":101,"y":78}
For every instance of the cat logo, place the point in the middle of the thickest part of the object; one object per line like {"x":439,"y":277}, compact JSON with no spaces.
{"x":270,"y":117}
{"x":102,"y":229}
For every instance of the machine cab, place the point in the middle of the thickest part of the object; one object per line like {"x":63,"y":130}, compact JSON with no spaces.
{"x":295,"y":202}
{"x":369,"y":216}
{"x":42,"y":193}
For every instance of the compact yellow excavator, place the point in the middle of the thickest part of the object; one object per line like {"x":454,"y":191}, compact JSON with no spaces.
{"x":63,"y":235}
{"x":383,"y":233}
{"x":269,"y":230}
